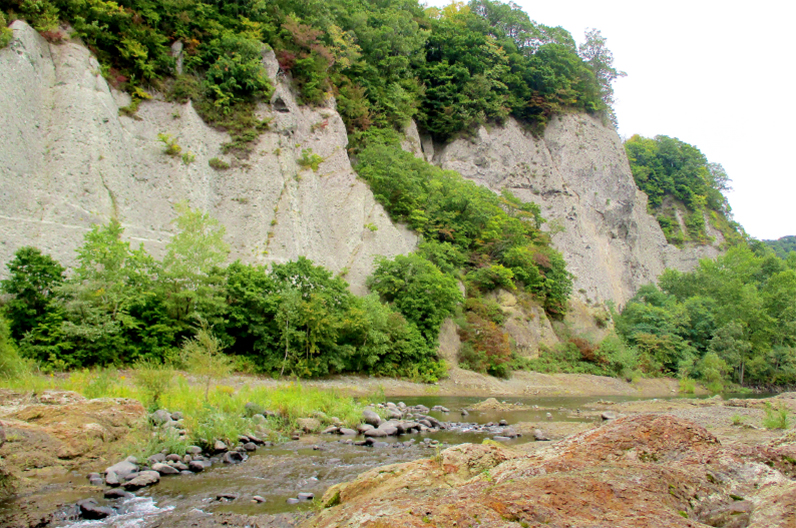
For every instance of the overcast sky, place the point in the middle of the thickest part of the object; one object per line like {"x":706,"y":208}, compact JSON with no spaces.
{"x":716,"y":74}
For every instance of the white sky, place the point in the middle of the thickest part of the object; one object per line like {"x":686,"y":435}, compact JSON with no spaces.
{"x":718,"y":75}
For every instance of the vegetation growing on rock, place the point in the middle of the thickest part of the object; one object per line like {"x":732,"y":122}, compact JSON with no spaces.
{"x":121,"y":306}
{"x":685,"y":191}
{"x":384,"y":62}
{"x":731,"y":320}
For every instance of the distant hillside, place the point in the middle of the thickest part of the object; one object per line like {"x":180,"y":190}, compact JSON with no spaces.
{"x":685,"y":191}
{"x":782,"y":246}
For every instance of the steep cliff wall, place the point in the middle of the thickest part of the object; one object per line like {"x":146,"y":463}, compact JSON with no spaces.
{"x":67,"y":160}
{"x":578,"y":173}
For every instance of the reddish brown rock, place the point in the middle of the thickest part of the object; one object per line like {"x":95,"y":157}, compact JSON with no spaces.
{"x":642,"y":471}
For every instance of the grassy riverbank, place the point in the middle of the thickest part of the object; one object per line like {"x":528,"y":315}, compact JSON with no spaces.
{"x":211,"y":411}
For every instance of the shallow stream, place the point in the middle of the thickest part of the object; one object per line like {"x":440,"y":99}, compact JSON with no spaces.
{"x":313,"y":464}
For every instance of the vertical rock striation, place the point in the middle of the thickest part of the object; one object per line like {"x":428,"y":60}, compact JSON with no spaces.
{"x":578,"y":173}
{"x":68,"y":160}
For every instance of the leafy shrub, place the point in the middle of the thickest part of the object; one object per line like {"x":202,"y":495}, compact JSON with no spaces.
{"x":170,"y":143}
{"x":687,"y":385}
{"x":486,"y":347}
{"x":6,"y":33}
{"x":491,"y":277}
{"x":308,"y":160}
{"x":154,"y":379}
{"x":12,"y":365}
{"x":218,"y":164}
{"x":776,"y":418}
{"x":202,"y":356}
{"x":417,"y":289}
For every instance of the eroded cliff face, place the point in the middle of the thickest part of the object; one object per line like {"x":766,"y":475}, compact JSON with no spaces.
{"x":68,"y":160}
{"x":578,"y":173}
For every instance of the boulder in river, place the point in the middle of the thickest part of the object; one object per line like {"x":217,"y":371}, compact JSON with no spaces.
{"x":370,"y":417}
{"x":90,"y":510}
{"x":144,"y":479}
{"x":165,"y":469}
{"x":122,"y":469}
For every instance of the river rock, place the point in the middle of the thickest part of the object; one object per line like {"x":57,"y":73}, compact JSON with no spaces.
{"x":226,"y":497}
{"x":156,"y":458}
{"x":194,"y":450}
{"x":144,"y":479}
{"x":219,"y":446}
{"x":293,"y":500}
{"x":258,"y":419}
{"x":177,"y":416}
{"x":347,"y":432}
{"x":112,"y":479}
{"x":308,"y":425}
{"x":89,"y":509}
{"x":465,"y":413}
{"x":164,"y":469}
{"x":174,"y":457}
{"x":394,"y":414}
{"x":362,"y":428}
{"x":117,"y":494}
{"x":375,"y":433}
{"x":232,"y":457}
{"x":251,"y":408}
{"x":160,"y":417}
{"x":331,"y":430}
{"x":540,"y":435}
{"x":503,"y":423}
{"x":370,"y":417}
{"x":305,"y":496}
{"x":608,"y":415}
{"x":388,"y":428}
{"x":255,"y":439}
{"x":196,"y":466}
{"x":122,"y":469}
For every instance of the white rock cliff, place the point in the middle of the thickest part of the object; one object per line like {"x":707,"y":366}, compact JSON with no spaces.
{"x":68,"y":160}
{"x":579,"y":174}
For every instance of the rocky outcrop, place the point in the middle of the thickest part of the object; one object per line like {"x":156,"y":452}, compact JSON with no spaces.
{"x":642,"y":471}
{"x":579,"y":175}
{"x":68,"y":160}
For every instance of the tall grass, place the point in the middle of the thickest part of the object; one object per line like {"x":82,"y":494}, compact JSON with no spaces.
{"x":220,"y":416}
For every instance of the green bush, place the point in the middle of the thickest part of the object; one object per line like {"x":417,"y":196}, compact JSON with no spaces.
{"x":308,"y":160}
{"x":218,"y":164}
{"x":170,"y":144}
{"x":6,"y":33}
{"x":202,"y":356}
{"x":776,"y":418}
{"x":154,"y":379}
{"x":12,"y":365}
{"x":491,"y":277}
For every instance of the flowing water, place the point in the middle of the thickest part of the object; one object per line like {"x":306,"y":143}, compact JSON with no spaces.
{"x":313,"y":464}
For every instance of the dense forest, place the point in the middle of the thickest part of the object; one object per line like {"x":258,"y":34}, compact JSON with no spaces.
{"x":732,"y":321}
{"x":384,"y":61}
{"x":782,"y":246}
{"x":685,"y":191}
